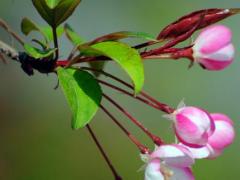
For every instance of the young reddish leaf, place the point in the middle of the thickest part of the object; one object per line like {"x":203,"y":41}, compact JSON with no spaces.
{"x":121,"y":35}
{"x":38,"y":53}
{"x":127,"y":57}
{"x":55,"y":12}
{"x":83,"y":94}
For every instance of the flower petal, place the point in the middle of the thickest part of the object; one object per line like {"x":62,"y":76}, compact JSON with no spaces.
{"x":193,"y":126}
{"x":152,"y":171}
{"x":200,"y":153}
{"x":174,"y":155}
{"x":213,"y":38}
{"x":224,"y":133}
{"x":182,"y":174}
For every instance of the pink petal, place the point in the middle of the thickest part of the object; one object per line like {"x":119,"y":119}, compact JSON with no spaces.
{"x":224,"y":133}
{"x":217,"y":60}
{"x":221,"y":117}
{"x":174,"y":155}
{"x":193,"y":126}
{"x":213,"y":38}
{"x":200,"y":153}
{"x":182,"y":174}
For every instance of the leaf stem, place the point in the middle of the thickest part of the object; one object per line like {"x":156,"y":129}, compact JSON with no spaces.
{"x":143,"y":149}
{"x":155,"y":138}
{"x":115,"y":174}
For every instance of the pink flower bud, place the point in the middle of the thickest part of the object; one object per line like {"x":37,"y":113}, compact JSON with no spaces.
{"x":221,"y":138}
{"x":224,"y":133}
{"x":213,"y":49}
{"x":193,"y":126}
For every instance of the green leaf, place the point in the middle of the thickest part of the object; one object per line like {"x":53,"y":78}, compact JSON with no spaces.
{"x":38,"y":53}
{"x":72,"y":35}
{"x":123,"y":34}
{"x":47,"y":31}
{"x":128,"y":58}
{"x":55,"y":12}
{"x":27,"y":26}
{"x":52,"y":3}
{"x":83,"y":94}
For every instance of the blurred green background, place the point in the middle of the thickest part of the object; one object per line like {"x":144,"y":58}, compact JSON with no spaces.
{"x":36,"y":141}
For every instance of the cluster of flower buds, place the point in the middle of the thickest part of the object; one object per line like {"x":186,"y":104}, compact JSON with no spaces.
{"x":212,"y":49}
{"x":200,"y":135}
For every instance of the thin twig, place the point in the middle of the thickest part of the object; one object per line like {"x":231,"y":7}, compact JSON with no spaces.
{"x":143,"y":149}
{"x":115,"y":174}
{"x":4,"y":25}
{"x":163,"y":107}
{"x":155,"y":138}
{"x":128,"y":93}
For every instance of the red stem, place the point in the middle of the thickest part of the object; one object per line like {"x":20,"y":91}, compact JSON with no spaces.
{"x":143,"y":149}
{"x":115,"y":174}
{"x":163,"y":107}
{"x":128,"y":93}
{"x":155,"y":138}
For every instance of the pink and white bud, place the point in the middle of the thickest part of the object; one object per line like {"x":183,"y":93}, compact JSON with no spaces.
{"x":221,"y":138}
{"x":193,"y":126}
{"x":224,"y":133}
{"x":213,"y":48}
{"x":169,"y":162}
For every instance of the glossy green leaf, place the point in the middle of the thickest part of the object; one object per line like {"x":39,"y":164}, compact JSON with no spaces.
{"x":55,"y":12}
{"x":128,"y":58}
{"x":123,"y":34}
{"x":38,"y":53}
{"x":83,"y":94}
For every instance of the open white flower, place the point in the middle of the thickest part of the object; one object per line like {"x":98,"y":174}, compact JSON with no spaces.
{"x":169,"y":162}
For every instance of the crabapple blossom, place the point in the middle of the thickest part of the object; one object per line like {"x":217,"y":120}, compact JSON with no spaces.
{"x":193,"y":126}
{"x":221,"y":138}
{"x":213,"y":48}
{"x":169,"y":162}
